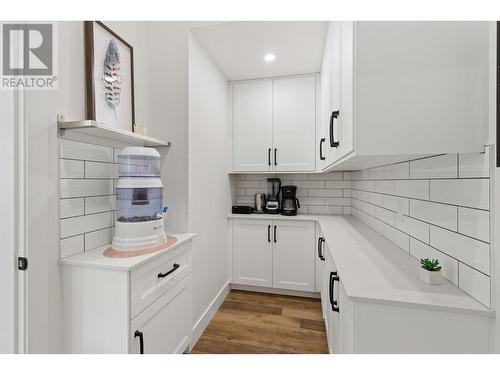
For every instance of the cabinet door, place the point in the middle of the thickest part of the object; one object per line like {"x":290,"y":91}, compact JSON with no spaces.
{"x":346,"y":319}
{"x":346,"y":97}
{"x":294,"y":124}
{"x":166,"y":325}
{"x":324,"y":149}
{"x":293,"y":255}
{"x":320,"y":258}
{"x":252,"y":119}
{"x":252,"y":252}
{"x":328,"y":295}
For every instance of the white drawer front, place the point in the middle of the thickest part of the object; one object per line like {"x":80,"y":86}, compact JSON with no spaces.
{"x":150,"y":281}
{"x":166,"y":325}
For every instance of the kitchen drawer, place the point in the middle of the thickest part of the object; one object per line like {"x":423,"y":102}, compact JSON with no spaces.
{"x":147,"y":283}
{"x":166,"y":325}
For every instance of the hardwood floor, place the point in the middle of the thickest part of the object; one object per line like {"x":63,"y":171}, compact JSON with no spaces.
{"x":261,"y":323}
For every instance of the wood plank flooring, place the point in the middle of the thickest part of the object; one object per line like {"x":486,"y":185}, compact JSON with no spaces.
{"x":261,"y":323}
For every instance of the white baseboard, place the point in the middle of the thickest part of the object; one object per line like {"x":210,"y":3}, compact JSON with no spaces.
{"x":286,"y":292}
{"x":209,"y":313}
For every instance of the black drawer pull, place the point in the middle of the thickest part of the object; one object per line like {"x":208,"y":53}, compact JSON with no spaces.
{"x":275,"y":239}
{"x":334,"y":115}
{"x":333,"y":277}
{"x":141,"y":340}
{"x":321,"y":157}
{"x":268,"y":233}
{"x":320,"y":248}
{"x":160,"y":275}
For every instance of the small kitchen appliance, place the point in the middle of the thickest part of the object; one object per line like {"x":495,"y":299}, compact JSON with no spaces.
{"x":139,"y":198}
{"x":260,"y":203}
{"x":273,"y":195}
{"x":290,"y":203}
{"x":247,"y":210}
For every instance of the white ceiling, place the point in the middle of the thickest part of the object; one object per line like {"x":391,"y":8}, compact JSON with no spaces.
{"x":238,"y":48}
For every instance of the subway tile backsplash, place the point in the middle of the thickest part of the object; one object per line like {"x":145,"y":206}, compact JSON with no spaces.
{"x":439,"y":205}
{"x":87,"y":198}
{"x":326,"y":193}
{"x":435,"y":207}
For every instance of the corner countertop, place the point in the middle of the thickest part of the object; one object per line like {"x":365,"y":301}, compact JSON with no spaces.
{"x":95,"y":258}
{"x":373,"y":269}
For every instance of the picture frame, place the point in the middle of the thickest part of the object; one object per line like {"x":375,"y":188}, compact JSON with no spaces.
{"x":109,"y":77}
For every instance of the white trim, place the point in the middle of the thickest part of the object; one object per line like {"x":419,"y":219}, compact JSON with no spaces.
{"x":208,"y":314}
{"x":261,"y":289}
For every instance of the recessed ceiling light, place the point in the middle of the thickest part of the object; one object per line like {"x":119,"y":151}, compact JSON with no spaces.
{"x":270,"y":57}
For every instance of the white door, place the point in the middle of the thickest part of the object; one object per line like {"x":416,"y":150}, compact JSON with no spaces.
{"x":294,"y":124}
{"x":320,"y":259}
{"x":7,"y":226}
{"x":252,"y":119}
{"x":325,"y":105}
{"x":165,"y":327}
{"x":346,"y":320}
{"x":293,"y":255}
{"x":252,"y":252}
{"x":346,"y":115}
{"x":330,"y":303}
{"x":333,"y":133}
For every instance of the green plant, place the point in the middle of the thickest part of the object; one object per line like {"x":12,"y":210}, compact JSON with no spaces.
{"x":430,"y":265}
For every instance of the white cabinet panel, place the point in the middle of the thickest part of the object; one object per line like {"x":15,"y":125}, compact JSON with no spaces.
{"x":294,"y":117}
{"x":166,"y":325}
{"x":293,"y":255}
{"x":320,"y":258}
{"x":252,"y":252}
{"x":252,"y":116}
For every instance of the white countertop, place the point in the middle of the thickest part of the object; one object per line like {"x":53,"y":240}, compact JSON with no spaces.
{"x":95,"y":257}
{"x":372,"y":268}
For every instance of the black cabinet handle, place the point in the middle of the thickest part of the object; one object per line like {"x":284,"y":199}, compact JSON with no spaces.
{"x":321,"y":141}
{"x":320,"y":248}
{"x":268,"y":233}
{"x":333,"y":277}
{"x":275,"y":159}
{"x":269,"y":156}
{"x":275,"y":234}
{"x":160,"y":275}
{"x":334,"y":115}
{"x":141,"y":340}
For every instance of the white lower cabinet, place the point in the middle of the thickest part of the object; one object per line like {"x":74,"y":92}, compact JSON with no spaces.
{"x":274,"y":253}
{"x":372,"y":326}
{"x":164,"y":326}
{"x":252,"y":252}
{"x":146,"y":309}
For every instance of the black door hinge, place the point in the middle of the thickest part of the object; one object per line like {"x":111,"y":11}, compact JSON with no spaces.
{"x":22,"y":263}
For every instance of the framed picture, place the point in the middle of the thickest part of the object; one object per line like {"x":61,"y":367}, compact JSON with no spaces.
{"x":109,"y":76}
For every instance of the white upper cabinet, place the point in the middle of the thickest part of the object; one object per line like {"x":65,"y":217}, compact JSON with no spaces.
{"x":253,"y":126}
{"x":294,"y":121}
{"x":274,"y":125}
{"x":404,"y":89}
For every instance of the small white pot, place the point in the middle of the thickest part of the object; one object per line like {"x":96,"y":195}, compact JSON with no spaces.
{"x":431,"y":277}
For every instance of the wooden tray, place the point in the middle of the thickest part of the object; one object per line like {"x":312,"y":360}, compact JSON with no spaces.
{"x":110,"y":253}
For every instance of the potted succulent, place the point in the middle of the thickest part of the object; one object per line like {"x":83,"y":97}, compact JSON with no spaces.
{"x":430,"y":271}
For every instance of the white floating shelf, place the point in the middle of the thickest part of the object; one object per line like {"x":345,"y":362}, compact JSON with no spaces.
{"x":93,"y":131}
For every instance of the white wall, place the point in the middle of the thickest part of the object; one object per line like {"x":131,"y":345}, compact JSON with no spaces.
{"x":42,"y":107}
{"x":7,"y":228}
{"x":209,"y":184}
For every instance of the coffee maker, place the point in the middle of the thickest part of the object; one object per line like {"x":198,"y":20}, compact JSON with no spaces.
{"x":273,"y":196}
{"x":290,"y":203}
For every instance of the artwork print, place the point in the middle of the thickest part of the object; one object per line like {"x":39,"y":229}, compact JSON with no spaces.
{"x":110,"y":83}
